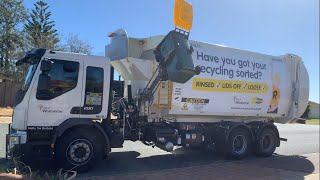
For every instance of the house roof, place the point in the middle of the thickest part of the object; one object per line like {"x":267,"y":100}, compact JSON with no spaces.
{"x":313,"y":103}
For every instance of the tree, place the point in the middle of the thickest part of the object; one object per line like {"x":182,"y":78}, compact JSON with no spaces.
{"x":40,"y":28}
{"x":12,"y":15}
{"x":76,"y":45}
{"x":306,"y":112}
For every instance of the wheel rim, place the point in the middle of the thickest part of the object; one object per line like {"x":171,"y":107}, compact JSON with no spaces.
{"x":79,"y":152}
{"x":239,"y":144}
{"x":267,"y":142}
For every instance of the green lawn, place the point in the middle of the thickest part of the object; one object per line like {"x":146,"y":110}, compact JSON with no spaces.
{"x":313,"y":121}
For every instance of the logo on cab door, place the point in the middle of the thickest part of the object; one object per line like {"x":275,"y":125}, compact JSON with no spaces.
{"x":45,"y":109}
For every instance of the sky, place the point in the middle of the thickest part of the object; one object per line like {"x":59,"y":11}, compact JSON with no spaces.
{"x":273,"y":27}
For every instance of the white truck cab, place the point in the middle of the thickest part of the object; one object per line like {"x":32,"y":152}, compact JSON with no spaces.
{"x":71,"y":86}
{"x":61,"y":90}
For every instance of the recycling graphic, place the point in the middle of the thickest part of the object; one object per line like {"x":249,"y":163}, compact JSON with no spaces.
{"x":230,"y":82}
{"x":202,"y":84}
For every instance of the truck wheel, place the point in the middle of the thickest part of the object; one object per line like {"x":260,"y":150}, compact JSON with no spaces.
{"x":79,"y":150}
{"x":238,"y":143}
{"x":266,"y":144}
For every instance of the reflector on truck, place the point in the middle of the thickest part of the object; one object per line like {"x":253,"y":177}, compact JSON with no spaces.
{"x":183,"y":14}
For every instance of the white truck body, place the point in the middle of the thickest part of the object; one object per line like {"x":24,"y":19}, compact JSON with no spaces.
{"x":234,"y":84}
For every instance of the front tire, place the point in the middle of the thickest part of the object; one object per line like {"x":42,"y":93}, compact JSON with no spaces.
{"x":238,"y":144}
{"x":79,"y":150}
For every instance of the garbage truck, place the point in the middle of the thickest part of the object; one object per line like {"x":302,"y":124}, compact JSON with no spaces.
{"x":175,"y":92}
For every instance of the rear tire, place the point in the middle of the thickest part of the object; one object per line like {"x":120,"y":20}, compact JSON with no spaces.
{"x":238,"y":144}
{"x":79,"y":150}
{"x":266,"y":143}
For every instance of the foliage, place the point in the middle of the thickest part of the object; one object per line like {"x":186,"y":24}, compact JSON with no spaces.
{"x":306,"y":112}
{"x":16,"y":168}
{"x":12,"y":43}
{"x":20,"y":31}
{"x":76,"y":45}
{"x":40,"y":28}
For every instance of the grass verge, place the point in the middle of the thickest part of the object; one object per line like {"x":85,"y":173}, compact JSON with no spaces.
{"x":313,"y":121}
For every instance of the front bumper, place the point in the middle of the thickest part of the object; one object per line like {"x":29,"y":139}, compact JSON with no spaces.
{"x":14,"y":142}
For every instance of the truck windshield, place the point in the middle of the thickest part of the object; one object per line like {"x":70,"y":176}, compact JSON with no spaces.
{"x":31,"y":70}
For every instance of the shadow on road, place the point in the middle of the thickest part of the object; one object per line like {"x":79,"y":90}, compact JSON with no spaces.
{"x":130,"y":162}
{"x":291,"y":163}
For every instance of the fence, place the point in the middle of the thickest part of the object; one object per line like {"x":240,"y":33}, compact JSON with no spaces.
{"x":8,"y":91}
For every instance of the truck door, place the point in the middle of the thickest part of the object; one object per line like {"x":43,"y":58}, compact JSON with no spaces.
{"x":64,"y":93}
{"x":93,"y":94}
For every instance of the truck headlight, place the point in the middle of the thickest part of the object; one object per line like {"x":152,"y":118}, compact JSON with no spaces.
{"x":14,"y":139}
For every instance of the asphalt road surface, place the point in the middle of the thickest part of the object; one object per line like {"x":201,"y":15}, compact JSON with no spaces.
{"x":136,"y":157}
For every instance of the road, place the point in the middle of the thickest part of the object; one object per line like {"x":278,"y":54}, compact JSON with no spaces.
{"x":136,"y":157}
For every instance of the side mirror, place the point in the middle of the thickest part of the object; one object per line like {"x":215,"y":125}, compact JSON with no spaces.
{"x":43,"y":87}
{"x":19,"y":97}
{"x":43,"y":92}
{"x":46,"y":65}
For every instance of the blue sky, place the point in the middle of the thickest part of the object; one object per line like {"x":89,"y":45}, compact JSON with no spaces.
{"x":274,"y":27}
